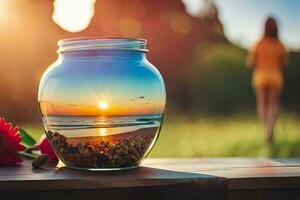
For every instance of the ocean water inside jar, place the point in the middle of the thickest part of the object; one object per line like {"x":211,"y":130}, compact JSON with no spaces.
{"x":101,"y":126}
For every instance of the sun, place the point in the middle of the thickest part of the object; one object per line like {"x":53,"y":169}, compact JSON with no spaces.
{"x":103,"y":105}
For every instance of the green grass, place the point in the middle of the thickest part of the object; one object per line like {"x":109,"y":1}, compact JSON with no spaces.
{"x":220,"y":136}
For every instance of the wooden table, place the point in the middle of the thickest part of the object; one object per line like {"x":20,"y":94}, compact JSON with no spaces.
{"x":195,"y":178}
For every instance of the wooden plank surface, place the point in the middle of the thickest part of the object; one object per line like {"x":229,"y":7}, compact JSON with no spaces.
{"x":240,"y":173}
{"x":158,"y":178}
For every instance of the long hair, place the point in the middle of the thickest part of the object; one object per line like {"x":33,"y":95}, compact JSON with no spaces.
{"x":271,"y":28}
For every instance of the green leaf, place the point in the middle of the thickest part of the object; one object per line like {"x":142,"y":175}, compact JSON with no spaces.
{"x":26,"y":138}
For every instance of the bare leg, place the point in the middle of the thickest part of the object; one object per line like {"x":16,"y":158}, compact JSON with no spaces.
{"x":273,"y":99}
{"x":261,"y":102}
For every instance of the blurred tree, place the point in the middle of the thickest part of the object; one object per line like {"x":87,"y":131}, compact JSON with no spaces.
{"x":222,"y":84}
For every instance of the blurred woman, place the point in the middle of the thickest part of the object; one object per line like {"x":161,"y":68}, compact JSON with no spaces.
{"x":267,"y":59}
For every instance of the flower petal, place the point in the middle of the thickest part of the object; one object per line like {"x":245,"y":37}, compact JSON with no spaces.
{"x":10,"y":139}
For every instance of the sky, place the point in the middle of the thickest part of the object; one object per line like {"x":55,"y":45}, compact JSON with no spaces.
{"x":126,"y":90}
{"x":243,"y":20}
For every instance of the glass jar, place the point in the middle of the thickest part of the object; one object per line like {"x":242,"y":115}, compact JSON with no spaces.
{"x":102,"y":103}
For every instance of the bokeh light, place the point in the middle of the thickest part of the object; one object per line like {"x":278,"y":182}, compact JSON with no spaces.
{"x":181,"y":24}
{"x":73,"y":15}
{"x":195,"y":7}
{"x":129,"y":27}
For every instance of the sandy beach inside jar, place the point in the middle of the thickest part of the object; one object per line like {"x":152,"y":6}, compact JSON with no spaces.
{"x":122,"y":150}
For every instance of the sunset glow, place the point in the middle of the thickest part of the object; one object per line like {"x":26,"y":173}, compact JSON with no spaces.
{"x":126,"y":108}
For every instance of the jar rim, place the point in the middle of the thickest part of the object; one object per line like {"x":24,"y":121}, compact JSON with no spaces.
{"x":101,"y":43}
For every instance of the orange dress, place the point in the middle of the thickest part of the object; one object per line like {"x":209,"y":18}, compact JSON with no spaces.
{"x":268,"y":56}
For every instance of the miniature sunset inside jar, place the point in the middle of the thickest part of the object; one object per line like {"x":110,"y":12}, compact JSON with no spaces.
{"x":102,"y":103}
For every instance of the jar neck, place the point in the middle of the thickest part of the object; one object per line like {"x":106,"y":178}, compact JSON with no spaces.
{"x":103,"y":54}
{"x":133,"y":48}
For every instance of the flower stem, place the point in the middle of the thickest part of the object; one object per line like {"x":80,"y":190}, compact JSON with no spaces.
{"x":30,"y":149}
{"x":27,"y":155}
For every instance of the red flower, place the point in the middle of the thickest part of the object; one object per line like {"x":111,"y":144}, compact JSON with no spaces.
{"x":9,"y":144}
{"x":46,"y":148}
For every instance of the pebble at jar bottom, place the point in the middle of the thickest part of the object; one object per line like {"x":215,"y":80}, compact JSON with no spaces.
{"x":107,"y":150}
